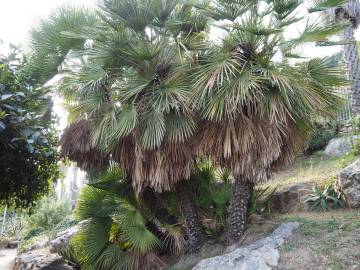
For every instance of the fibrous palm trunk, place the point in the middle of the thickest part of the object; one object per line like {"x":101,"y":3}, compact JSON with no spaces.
{"x":351,"y":58}
{"x":194,"y":231}
{"x":238,"y":209}
{"x":160,"y":212}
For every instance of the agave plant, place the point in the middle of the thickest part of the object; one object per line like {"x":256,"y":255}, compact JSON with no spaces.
{"x":119,"y":233}
{"x":325,"y":200}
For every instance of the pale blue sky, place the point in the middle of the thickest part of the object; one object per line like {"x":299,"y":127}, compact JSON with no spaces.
{"x":17,"y":16}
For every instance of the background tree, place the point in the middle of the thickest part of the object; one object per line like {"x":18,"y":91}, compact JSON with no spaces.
{"x":349,"y":14}
{"x":28,"y":155}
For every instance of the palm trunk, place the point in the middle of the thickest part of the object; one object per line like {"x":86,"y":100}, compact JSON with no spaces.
{"x":154,"y":204}
{"x":194,"y":231}
{"x":352,"y":62}
{"x":238,"y":209}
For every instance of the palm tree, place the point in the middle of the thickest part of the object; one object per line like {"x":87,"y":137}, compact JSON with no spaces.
{"x":156,"y":92}
{"x":117,"y":232}
{"x":128,"y":91}
{"x":348,"y":12}
{"x":256,"y":99}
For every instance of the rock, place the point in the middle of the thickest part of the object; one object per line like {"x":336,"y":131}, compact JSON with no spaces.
{"x":291,"y":198}
{"x":349,"y":183}
{"x":208,"y":250}
{"x":39,"y":260}
{"x":261,"y":255}
{"x":13,"y":244}
{"x":340,"y":146}
{"x":63,"y":238}
{"x":38,"y":245}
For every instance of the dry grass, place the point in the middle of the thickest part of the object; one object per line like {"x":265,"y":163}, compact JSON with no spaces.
{"x":317,"y":168}
{"x":328,"y":241}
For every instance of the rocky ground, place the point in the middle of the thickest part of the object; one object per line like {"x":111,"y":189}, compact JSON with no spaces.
{"x":313,"y":240}
{"x":263,"y":254}
{"x":7,"y":256}
{"x":323,"y":241}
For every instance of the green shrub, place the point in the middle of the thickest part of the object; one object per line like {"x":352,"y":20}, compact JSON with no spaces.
{"x":355,"y":123}
{"x":320,"y":139}
{"x":49,"y":216}
{"x":211,"y":188}
{"x":33,"y":233}
{"x":70,"y":256}
{"x":25,"y":245}
{"x":260,"y":200}
{"x":355,"y":147}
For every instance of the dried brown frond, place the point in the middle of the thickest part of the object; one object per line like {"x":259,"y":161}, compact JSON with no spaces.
{"x":148,"y":261}
{"x":251,"y":145}
{"x":159,"y":169}
{"x":76,"y":144}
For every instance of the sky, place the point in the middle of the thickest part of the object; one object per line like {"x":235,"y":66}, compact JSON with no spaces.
{"x":17,"y":16}
{"x":16,"y":19}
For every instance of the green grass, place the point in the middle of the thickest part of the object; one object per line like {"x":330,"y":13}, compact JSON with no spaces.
{"x":316,"y":168}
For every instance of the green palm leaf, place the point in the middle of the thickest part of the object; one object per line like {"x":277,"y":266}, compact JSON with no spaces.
{"x":153,"y":130}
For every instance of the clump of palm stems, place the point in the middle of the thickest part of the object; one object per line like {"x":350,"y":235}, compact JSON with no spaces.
{"x":211,"y":188}
{"x":158,"y":89}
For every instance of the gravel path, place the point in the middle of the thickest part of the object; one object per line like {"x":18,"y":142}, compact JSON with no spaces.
{"x":7,"y":257}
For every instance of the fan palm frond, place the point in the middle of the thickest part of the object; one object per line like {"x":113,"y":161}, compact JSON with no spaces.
{"x":49,"y":46}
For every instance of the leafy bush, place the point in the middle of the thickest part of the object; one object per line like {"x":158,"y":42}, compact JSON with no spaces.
{"x":327,"y":199}
{"x":14,"y":222}
{"x":260,"y":200}
{"x":211,"y":188}
{"x":325,"y":130}
{"x":28,"y":152}
{"x":355,"y":147}
{"x":32,"y":233}
{"x":355,"y":123}
{"x":49,"y":216}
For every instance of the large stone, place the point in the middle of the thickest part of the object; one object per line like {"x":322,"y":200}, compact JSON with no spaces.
{"x":291,"y":198}
{"x":40,"y":260}
{"x":261,"y":255}
{"x":340,"y":146}
{"x":349,"y":183}
{"x":40,"y":244}
{"x":63,"y":238}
